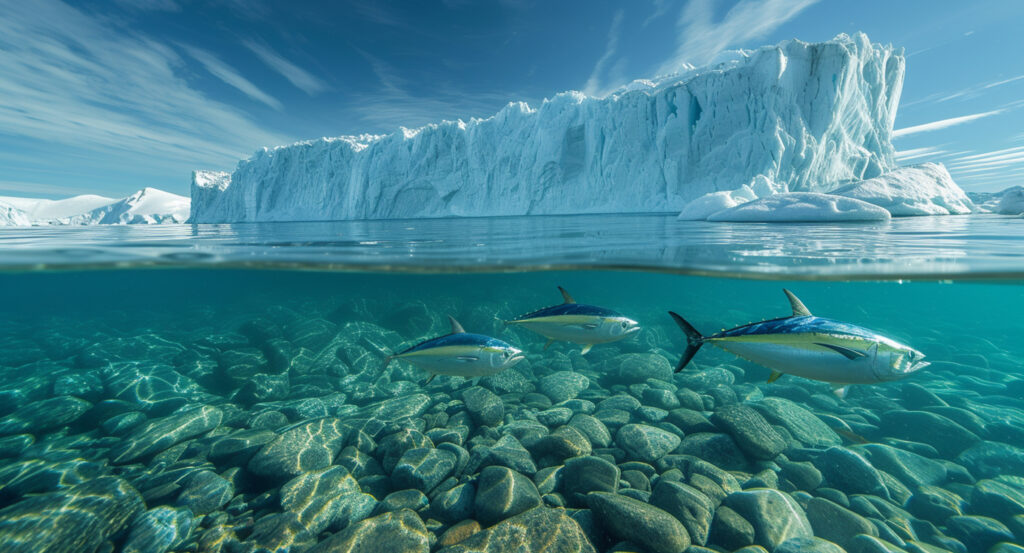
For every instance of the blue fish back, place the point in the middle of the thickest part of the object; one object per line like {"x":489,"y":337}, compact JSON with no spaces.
{"x":570,"y":309}
{"x":799,"y":325}
{"x":460,"y":339}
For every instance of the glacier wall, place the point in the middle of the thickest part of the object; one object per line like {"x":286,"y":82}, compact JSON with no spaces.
{"x":808,"y":117}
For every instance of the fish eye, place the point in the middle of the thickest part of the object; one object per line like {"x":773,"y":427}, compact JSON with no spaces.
{"x":625,"y":324}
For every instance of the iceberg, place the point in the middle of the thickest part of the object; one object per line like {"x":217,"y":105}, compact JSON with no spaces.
{"x":807,"y":116}
{"x":147,"y":206}
{"x":1011,"y":201}
{"x":926,"y":189}
{"x":44,"y":210}
{"x":12,"y":216}
{"x":802,"y":207}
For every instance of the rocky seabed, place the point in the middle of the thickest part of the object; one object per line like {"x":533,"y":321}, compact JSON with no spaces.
{"x":278,"y":432}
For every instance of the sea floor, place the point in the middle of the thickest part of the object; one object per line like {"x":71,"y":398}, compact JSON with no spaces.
{"x":246,"y":411}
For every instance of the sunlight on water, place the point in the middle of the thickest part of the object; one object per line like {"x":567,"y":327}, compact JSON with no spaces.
{"x":215,"y":408}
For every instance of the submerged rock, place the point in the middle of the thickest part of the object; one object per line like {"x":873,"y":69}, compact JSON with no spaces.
{"x":158,"y":530}
{"x":502,"y":493}
{"x":69,"y":521}
{"x":160,"y":434}
{"x":308,"y":446}
{"x":627,"y":519}
{"x":646,"y":443}
{"x":775,"y":516}
{"x":539,"y":529}
{"x":398,"y":532}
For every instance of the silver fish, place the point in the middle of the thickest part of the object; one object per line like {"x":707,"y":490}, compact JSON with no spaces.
{"x":812,"y":347}
{"x":460,"y":354}
{"x":577,"y":323}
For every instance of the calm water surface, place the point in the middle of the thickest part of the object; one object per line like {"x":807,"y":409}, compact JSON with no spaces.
{"x":158,"y":393}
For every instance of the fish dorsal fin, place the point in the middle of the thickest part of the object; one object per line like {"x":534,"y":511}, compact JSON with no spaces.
{"x":566,"y":296}
{"x":799,"y":309}
{"x":456,"y":327}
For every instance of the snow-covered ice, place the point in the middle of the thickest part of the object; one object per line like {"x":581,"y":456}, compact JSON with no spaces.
{"x":12,"y":216}
{"x":925,"y":189}
{"x":44,"y":210}
{"x":805,"y":116}
{"x":1011,"y":201}
{"x":802,"y":207}
{"x":147,"y":206}
{"x":713,"y":202}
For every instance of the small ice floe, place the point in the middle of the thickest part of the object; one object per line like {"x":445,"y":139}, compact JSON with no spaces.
{"x":802,"y":207}
{"x":1011,"y":201}
{"x":925,"y":189}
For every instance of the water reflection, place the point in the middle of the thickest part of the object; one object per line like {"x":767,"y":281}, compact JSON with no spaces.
{"x":919,"y":246}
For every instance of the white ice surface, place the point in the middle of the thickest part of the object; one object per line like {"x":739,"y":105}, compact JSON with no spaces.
{"x":12,"y":216}
{"x":43,"y":210}
{"x":1011,"y":201}
{"x":147,"y":206}
{"x":805,"y":116}
{"x":802,"y":207}
{"x":925,"y":189}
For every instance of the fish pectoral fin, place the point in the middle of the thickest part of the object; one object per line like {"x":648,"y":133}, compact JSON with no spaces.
{"x":774,"y":376}
{"x":429,"y":378}
{"x":467,"y":358}
{"x":548,"y":344}
{"x":589,"y":326}
{"x":586,"y":348}
{"x":840,"y":390}
{"x":849,"y":353}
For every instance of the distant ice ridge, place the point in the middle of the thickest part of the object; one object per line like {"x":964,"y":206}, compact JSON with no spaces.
{"x":804,"y":117}
{"x":147,"y":206}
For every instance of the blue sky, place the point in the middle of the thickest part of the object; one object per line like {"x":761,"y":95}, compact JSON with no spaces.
{"x":103,"y":96}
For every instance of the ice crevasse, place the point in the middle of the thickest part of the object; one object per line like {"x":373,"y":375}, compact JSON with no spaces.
{"x":801,"y":117}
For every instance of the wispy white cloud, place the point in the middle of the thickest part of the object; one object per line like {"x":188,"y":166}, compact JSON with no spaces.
{"x":151,"y":5}
{"x":229,"y":76}
{"x":701,"y":38}
{"x":74,"y":83}
{"x":593,"y":86}
{"x":944,"y":123}
{"x":661,"y":8}
{"x":393,"y":104}
{"x":917,"y":153}
{"x":39,"y":188}
{"x":302,"y":79}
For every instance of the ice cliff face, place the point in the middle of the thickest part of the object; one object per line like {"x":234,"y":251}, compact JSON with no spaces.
{"x":808,"y":117}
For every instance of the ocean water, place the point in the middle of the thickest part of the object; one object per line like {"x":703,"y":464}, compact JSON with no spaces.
{"x":224,"y":389}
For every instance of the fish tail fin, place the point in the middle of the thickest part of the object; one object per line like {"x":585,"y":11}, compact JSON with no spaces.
{"x":387,"y":361}
{"x":694,"y":340}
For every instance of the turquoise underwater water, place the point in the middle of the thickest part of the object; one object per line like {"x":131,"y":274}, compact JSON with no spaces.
{"x":209,"y":408}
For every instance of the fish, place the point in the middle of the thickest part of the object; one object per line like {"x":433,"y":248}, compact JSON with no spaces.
{"x":460,"y":353}
{"x":578,"y":323}
{"x":811,"y":347}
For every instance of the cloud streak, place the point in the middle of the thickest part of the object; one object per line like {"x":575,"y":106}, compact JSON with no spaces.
{"x":302,"y":79}
{"x":701,"y":38}
{"x":80,"y":86}
{"x":944,"y":123}
{"x":593,"y":86}
{"x":232,"y":78}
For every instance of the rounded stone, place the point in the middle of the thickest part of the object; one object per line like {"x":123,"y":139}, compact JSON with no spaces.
{"x":631,"y":520}
{"x":502,"y":493}
{"x":751,"y":431}
{"x":646,"y":443}
{"x":563,"y":385}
